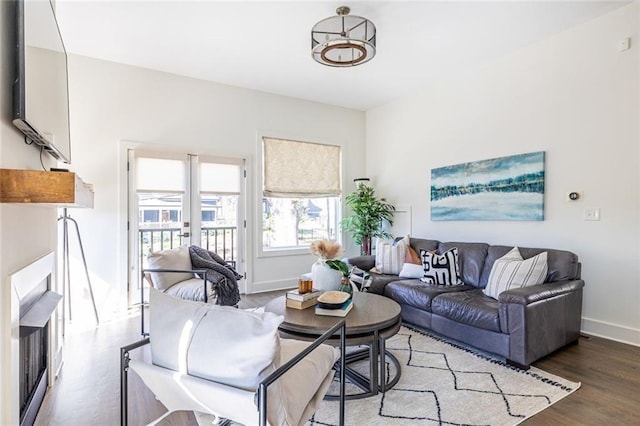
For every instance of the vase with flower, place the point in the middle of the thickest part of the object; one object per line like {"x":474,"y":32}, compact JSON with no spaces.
{"x":324,"y":276}
{"x":339,"y":265}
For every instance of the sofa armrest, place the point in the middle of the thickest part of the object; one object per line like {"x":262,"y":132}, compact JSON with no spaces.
{"x":362,"y":262}
{"x":541,"y":318}
{"x":535,"y":293}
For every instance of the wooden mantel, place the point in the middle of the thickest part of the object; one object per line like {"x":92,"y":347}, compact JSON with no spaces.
{"x":61,"y":189}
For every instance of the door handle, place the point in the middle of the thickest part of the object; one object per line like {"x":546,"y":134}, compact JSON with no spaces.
{"x":186,"y":234}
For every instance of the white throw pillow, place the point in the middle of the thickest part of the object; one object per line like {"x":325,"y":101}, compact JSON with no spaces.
{"x":171,"y":325}
{"x":511,"y":271}
{"x":219,"y":343}
{"x":178,"y":258}
{"x":235,"y":347}
{"x":410,"y":270}
{"x":390,"y":255}
{"x":441,"y":269}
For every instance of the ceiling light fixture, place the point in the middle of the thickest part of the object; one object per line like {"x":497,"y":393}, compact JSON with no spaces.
{"x":343,"y":40}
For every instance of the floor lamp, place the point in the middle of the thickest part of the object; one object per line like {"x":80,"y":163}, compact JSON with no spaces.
{"x":66,"y":273}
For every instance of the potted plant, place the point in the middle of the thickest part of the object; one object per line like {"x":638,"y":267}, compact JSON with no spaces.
{"x":369,"y":214}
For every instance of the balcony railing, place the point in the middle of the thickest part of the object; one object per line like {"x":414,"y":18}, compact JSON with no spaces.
{"x":218,"y":239}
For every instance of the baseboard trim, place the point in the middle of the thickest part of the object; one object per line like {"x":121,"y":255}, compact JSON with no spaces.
{"x":265,"y":286}
{"x":615,"y":332}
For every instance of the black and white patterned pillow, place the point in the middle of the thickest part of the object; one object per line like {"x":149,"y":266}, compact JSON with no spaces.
{"x":441,"y":269}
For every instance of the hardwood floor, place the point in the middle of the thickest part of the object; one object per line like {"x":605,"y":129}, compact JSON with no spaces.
{"x":88,"y":390}
{"x":610,"y":375}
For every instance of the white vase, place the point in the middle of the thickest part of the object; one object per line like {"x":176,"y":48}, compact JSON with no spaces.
{"x":325,"y":278}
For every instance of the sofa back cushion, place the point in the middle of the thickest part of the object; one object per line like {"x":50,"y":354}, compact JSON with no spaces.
{"x":562,"y":265}
{"x":422,"y":244}
{"x":471,"y":258}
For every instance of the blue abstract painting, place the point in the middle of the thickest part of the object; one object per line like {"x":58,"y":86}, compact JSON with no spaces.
{"x":506,"y":188}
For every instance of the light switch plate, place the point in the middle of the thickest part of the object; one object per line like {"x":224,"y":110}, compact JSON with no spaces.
{"x":592,"y":214}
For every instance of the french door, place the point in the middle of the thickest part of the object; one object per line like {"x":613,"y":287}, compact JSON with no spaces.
{"x":186,"y":199}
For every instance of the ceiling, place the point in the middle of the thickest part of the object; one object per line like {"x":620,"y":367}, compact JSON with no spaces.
{"x":265,"y":45}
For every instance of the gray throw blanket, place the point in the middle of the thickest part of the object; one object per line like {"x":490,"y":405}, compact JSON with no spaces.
{"x":223,"y":278}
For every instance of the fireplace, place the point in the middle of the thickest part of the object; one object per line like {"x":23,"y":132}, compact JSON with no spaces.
{"x":34,"y":358}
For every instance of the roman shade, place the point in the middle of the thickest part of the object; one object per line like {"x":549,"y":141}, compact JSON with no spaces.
{"x":300,"y":169}
{"x":160,"y":175}
{"x":220,"y":178}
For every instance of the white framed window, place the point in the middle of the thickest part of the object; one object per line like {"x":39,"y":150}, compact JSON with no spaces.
{"x":300,"y":195}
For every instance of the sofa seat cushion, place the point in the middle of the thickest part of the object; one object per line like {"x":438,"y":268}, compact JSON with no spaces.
{"x":418,"y":294}
{"x":468,"y":307}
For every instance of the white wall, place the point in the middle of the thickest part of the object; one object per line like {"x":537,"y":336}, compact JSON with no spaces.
{"x":26,"y":232}
{"x":111,"y":103}
{"x":574,"y":96}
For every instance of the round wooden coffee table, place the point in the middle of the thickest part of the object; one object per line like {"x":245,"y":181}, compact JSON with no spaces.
{"x":372,"y":320}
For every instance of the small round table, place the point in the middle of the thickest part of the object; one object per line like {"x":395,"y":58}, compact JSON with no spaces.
{"x":372,"y":320}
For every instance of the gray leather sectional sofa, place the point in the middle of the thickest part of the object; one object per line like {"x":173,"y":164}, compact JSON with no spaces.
{"x":523,"y":325}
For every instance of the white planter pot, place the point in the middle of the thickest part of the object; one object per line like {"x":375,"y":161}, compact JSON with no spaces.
{"x":325,"y":278}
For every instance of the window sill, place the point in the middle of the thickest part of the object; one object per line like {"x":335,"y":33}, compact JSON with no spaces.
{"x":284,"y":251}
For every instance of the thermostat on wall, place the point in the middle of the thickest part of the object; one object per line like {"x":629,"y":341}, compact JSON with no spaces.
{"x":573,"y":196}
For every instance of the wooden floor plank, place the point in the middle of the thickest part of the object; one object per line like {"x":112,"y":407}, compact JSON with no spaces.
{"x":88,"y":390}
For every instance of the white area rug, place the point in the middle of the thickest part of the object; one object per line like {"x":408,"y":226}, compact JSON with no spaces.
{"x":447,"y":384}
{"x":444,"y":383}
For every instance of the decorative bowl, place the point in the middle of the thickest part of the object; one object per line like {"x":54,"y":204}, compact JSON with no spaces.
{"x":333,"y":299}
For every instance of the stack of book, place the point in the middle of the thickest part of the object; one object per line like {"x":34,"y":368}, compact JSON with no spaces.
{"x":296,"y":300}
{"x":334,"y":304}
{"x":342,"y":311}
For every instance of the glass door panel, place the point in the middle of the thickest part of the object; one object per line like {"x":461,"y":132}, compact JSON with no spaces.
{"x":159,"y":204}
{"x":159,"y":223}
{"x":220,"y":224}
{"x":220,"y":205}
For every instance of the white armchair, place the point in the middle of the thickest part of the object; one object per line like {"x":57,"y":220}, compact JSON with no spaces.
{"x":230,"y":363}
{"x":172,"y":272}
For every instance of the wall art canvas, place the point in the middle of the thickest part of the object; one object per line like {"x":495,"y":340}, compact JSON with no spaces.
{"x":506,"y":188}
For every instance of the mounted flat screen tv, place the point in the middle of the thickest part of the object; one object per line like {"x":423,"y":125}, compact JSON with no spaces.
{"x":40,"y":92}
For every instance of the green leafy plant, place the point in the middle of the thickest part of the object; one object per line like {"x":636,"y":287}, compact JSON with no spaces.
{"x":338,"y":265}
{"x":369,"y":214}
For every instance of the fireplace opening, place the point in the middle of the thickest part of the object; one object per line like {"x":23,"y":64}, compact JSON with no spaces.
{"x":33,"y":372}
{"x":36,"y":308}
